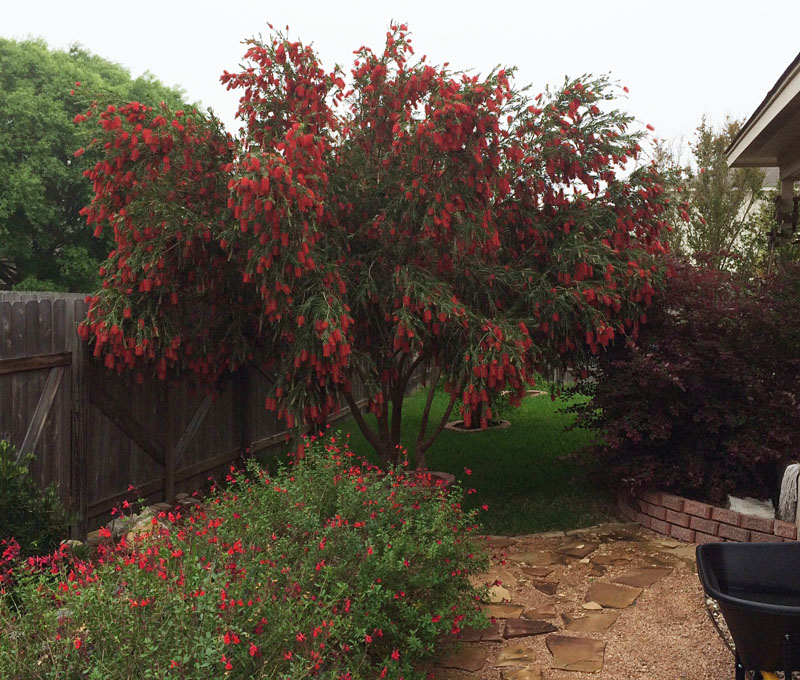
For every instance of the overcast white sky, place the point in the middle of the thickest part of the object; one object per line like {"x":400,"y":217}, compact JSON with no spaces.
{"x":681,"y":59}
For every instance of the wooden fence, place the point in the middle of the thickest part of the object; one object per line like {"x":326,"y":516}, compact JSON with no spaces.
{"x":93,"y":432}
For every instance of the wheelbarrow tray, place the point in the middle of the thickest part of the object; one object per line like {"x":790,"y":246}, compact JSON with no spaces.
{"x":757,"y":586}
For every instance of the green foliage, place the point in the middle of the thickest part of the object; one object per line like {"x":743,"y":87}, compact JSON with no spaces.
{"x":329,"y":568}
{"x":35,"y":518}
{"x":44,"y":242}
{"x":355,"y":233}
{"x":529,"y":476}
{"x":706,"y":403}
{"x":722,"y":228}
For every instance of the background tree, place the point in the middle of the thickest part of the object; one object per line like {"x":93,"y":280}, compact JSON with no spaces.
{"x":418,"y":217}
{"x":44,"y":243}
{"x":723,"y":229}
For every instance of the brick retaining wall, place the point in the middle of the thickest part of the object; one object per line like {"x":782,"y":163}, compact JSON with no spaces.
{"x":696,"y":522}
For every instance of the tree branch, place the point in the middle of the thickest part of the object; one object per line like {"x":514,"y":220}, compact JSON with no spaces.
{"x":426,"y":445}
{"x":370,"y":434}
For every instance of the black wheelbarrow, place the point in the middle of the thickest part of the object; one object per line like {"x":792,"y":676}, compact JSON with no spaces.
{"x":757,"y":586}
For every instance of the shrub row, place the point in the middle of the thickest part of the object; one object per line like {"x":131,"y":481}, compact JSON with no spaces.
{"x":328,"y":568}
{"x":705,"y":402}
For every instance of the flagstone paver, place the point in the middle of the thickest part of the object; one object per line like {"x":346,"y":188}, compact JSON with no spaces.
{"x":641,"y":578}
{"x":515,"y":654}
{"x":538,"y":572}
{"x":612,"y":595}
{"x":524,"y":627}
{"x":529,"y":673}
{"x":546,"y":587}
{"x":576,"y":654}
{"x":534,"y":557}
{"x":493,"y":633}
{"x":578,"y":549}
{"x":543,"y":597}
{"x":502,"y":611}
{"x":468,"y":658}
{"x":591,"y":623}
{"x":546,"y":611}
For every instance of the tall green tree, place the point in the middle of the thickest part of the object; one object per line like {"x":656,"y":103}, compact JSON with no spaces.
{"x":44,"y":243}
{"x":722,"y":228}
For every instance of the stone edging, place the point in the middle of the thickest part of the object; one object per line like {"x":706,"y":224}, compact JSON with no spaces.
{"x":695,"y":522}
{"x":456,"y":426}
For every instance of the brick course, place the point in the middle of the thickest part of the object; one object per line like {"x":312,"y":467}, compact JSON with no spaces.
{"x":659,"y":526}
{"x":698,"y":509}
{"x":681,"y":533}
{"x":693,"y":521}
{"x":707,"y":526}
{"x":678,"y":518}
{"x":758,"y":537}
{"x":658,"y":511}
{"x":734,"y":533}
{"x":761,"y":524}
{"x":672,"y":502}
{"x":700,"y":537}
{"x":785,"y":529}
{"x":727,"y":516}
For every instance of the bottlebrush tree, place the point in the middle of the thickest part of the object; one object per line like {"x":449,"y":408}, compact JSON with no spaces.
{"x":415,"y":217}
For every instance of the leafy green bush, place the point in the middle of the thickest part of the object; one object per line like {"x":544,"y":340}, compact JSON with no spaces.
{"x":328,"y":568}
{"x":35,"y":518}
{"x":707,"y":401}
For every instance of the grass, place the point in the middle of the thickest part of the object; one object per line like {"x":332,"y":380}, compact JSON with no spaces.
{"x":521,"y":473}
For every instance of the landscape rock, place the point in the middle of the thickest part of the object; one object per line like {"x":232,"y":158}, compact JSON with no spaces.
{"x":470,"y":658}
{"x":576,"y":654}
{"x":612,"y":595}
{"x":524,"y":627}
{"x":527,"y":673}
{"x":515,"y":654}
{"x":502,"y":611}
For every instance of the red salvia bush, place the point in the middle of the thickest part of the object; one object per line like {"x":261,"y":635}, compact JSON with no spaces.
{"x":705,"y":403}
{"x":413,"y":217}
{"x":328,"y":569}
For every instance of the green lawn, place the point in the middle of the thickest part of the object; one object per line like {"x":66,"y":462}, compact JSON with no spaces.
{"x":519,"y":472}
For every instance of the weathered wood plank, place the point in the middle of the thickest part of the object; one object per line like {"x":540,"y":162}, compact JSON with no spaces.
{"x":169,"y":447}
{"x":107,"y":504}
{"x":5,"y":330}
{"x":78,"y":461}
{"x":41,"y":412}
{"x":59,"y":326}
{"x":19,"y":414}
{"x":192,"y":428}
{"x":207,"y":464}
{"x":34,"y":362}
{"x":125,"y":422}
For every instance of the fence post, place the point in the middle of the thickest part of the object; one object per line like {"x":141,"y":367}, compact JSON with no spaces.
{"x":242,"y":386}
{"x":78,"y":492}
{"x":169,"y":445}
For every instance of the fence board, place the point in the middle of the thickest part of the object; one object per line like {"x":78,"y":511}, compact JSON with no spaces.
{"x":102,"y":429}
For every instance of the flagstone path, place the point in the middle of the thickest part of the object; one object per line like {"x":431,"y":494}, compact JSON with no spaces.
{"x":608,"y":602}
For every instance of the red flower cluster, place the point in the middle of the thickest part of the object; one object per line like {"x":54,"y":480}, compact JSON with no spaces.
{"x":417,"y":216}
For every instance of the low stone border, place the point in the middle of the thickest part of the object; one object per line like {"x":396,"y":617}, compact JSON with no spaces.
{"x":695,"y":522}
{"x":456,"y":426}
